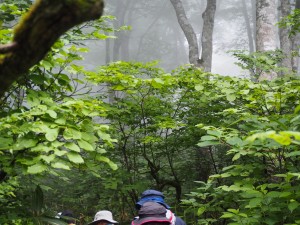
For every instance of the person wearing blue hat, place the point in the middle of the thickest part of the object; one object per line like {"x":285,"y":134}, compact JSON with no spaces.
{"x":157,"y":196}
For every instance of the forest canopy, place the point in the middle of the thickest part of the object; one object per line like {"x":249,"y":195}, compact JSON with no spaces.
{"x":147,"y":112}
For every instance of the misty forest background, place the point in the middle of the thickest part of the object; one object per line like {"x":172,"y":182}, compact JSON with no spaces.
{"x":197,"y":99}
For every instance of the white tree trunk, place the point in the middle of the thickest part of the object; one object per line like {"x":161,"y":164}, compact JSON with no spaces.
{"x":207,"y":34}
{"x":188,"y":32}
{"x":266,"y":30}
{"x":285,"y":41}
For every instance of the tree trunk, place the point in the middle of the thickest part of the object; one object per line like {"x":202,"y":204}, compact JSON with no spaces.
{"x":295,"y":45}
{"x":265,"y":30}
{"x":285,"y":41}
{"x":188,"y":32}
{"x":38,"y":31}
{"x":248,"y":27}
{"x":207,"y":34}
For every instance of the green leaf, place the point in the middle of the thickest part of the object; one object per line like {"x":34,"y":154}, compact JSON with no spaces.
{"x":227,"y":215}
{"x":199,"y":87}
{"x":231,"y":97}
{"x":85,"y":145}
{"x":293,"y":205}
{"x":234,"y":141}
{"x":75,"y":157}
{"x":24,"y":142}
{"x":71,"y":133}
{"x":72,"y":146}
{"x":254,"y":202}
{"x":208,"y":143}
{"x":201,"y":210}
{"x":60,"y":165}
{"x":51,"y":134}
{"x":51,"y":113}
{"x":112,"y":165}
{"x":208,"y":138}
{"x":37,"y":168}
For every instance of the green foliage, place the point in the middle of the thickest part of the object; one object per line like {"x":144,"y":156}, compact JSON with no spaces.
{"x":292,"y":21}
{"x":48,"y":122}
{"x":262,"y":133}
{"x":261,"y":62}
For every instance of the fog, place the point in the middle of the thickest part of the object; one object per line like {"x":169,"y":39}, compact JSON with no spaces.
{"x":156,"y":35}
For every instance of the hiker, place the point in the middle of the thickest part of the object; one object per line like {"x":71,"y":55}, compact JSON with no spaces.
{"x":157,"y":196}
{"x":152,"y":213}
{"x":68,"y":217}
{"x":103,"y":217}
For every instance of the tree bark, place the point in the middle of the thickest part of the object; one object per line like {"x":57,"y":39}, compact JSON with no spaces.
{"x":265,"y":30}
{"x":295,"y":45}
{"x":38,"y":31}
{"x":188,"y":32}
{"x":285,"y":41}
{"x":248,"y":27}
{"x":207,"y":34}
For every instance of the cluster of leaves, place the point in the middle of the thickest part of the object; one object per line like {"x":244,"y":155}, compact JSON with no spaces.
{"x":292,"y":21}
{"x":48,"y":121}
{"x":261,"y":131}
{"x":261,"y":62}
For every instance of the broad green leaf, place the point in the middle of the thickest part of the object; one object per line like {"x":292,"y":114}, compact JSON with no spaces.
{"x":23,"y":143}
{"x":234,"y":141}
{"x":112,"y":165}
{"x":71,"y":133}
{"x":48,"y":158}
{"x":51,"y":134}
{"x":208,"y":143}
{"x":60,"y":165}
{"x":75,"y":157}
{"x":72,"y":146}
{"x":227,"y":215}
{"x":208,"y":138}
{"x":51,"y":113}
{"x":254,"y":202}
{"x":85,"y":145}
{"x":37,"y":168}
{"x":231,"y":97}
{"x":201,"y":210}
{"x":199,"y":87}
{"x":293,"y":205}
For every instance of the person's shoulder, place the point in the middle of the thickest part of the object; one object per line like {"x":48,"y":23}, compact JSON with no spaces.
{"x":179,"y":221}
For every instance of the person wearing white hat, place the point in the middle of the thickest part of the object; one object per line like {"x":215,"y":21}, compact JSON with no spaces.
{"x":103,"y":217}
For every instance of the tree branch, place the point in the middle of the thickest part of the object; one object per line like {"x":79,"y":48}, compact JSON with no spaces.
{"x":44,"y":23}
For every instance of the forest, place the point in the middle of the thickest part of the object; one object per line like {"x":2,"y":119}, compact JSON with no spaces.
{"x":102,"y":100}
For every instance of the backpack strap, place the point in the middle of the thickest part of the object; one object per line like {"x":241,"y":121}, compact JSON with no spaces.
{"x":171,"y":216}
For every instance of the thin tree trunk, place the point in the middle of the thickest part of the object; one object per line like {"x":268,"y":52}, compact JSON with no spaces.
{"x":207,"y":34}
{"x":295,"y":45}
{"x":285,"y":41}
{"x":265,"y":30}
{"x":188,"y":32}
{"x":248,"y":26}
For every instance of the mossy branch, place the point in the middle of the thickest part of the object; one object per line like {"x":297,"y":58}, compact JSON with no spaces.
{"x":38,"y":30}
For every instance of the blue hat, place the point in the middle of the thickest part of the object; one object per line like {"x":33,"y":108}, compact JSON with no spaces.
{"x":152,"y":196}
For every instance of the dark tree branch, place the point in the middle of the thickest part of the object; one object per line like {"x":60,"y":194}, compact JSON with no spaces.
{"x":45,"y":22}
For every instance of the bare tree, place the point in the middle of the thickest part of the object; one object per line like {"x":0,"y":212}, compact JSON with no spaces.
{"x":206,"y":42}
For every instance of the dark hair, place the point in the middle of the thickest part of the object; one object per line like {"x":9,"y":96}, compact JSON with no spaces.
{"x":67,"y":216}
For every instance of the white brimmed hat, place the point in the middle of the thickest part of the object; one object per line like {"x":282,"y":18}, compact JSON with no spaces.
{"x":103,"y":215}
